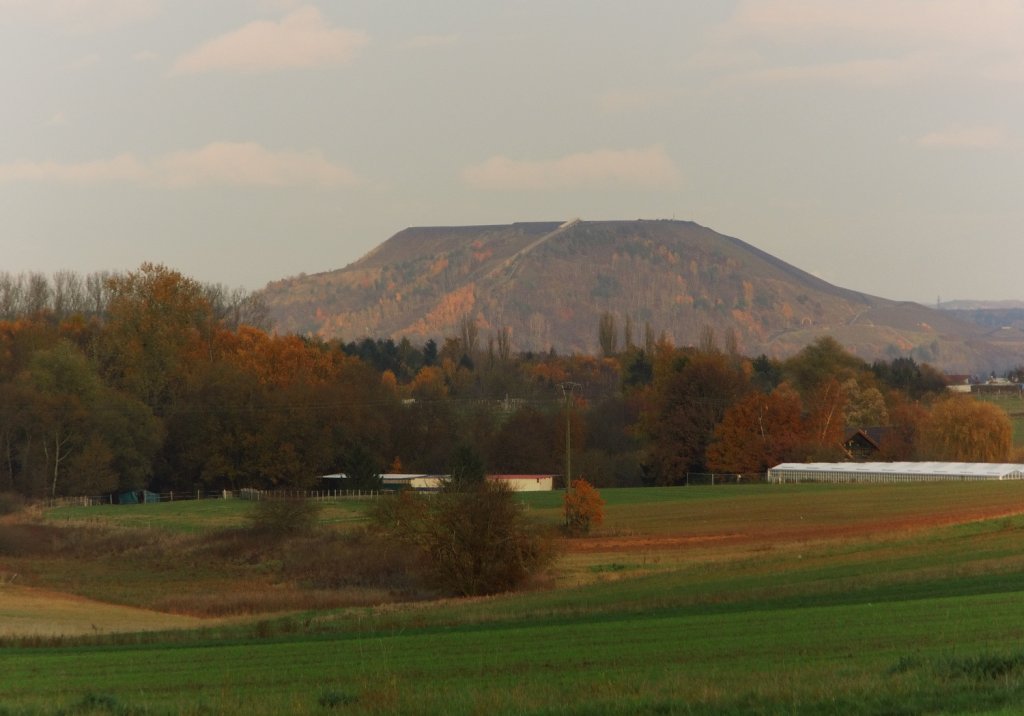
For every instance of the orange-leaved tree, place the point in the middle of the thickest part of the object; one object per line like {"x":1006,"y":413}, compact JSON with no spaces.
{"x":963,"y":429}
{"x":759,"y":432}
{"x":583,"y":507}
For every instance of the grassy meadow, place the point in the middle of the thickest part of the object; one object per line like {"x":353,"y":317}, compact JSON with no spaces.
{"x":796,"y":599}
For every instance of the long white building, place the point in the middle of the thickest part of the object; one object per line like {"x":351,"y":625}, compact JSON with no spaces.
{"x":893,"y":471}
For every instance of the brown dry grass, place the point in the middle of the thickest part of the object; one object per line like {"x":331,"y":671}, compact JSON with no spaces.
{"x":225,"y":573}
{"x":40,"y":612}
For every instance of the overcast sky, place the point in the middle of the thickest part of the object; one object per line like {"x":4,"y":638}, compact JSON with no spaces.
{"x":878,"y":143}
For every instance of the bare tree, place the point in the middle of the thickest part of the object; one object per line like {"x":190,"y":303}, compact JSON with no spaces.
{"x":707,"y":343}
{"x":68,"y":293}
{"x":237,"y":307}
{"x":10,"y":296}
{"x":37,"y":294}
{"x":505,"y":344}
{"x":97,"y":292}
{"x":470,"y":336}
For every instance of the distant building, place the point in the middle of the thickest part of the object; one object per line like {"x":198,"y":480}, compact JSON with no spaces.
{"x":526,"y":483}
{"x":886,"y":472}
{"x":427,"y":483}
{"x":388,"y":481}
{"x":864,"y":444}
{"x":958,"y":383}
{"x":997,"y":386}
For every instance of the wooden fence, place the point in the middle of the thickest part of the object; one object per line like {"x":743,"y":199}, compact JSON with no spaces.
{"x":725,"y":478}
{"x":243,"y":494}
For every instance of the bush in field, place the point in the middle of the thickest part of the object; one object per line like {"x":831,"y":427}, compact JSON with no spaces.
{"x":353,"y":560}
{"x":471,"y":541}
{"x":583,"y":508}
{"x":283,"y":517}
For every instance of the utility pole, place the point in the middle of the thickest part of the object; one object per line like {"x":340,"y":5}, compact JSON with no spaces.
{"x":567,"y":390}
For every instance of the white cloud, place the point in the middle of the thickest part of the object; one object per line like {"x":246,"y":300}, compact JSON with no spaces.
{"x":649,"y":167}
{"x":219,"y":164}
{"x":78,"y":16}
{"x":303,"y":39}
{"x":977,"y":137}
{"x":122,"y":168}
{"x":249,"y":164}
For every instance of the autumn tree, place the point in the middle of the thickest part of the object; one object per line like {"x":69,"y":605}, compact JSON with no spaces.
{"x":690,"y":396}
{"x":906,"y":419}
{"x":962,"y":429}
{"x":759,"y":432}
{"x":158,"y":322}
{"x":583,"y":508}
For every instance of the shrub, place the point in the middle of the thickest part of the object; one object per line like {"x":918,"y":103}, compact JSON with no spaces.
{"x":353,"y":560}
{"x":473,"y":541}
{"x":279,"y":518}
{"x":583,"y":508}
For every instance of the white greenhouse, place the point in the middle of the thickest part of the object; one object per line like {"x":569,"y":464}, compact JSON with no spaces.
{"x":893,"y":471}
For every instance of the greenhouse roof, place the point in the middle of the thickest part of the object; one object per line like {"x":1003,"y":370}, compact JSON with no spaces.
{"x":972,"y":469}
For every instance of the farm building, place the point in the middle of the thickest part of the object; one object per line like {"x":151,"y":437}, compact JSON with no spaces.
{"x":389,"y":481}
{"x":429,"y":483}
{"x":398,"y":481}
{"x":893,"y":471}
{"x":526,"y":483}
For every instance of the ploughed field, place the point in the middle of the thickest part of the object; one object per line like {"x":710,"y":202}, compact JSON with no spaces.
{"x":728,"y":599}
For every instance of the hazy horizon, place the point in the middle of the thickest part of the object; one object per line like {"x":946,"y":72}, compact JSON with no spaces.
{"x":877,"y":145}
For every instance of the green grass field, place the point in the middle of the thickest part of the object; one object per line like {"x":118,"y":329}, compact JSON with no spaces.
{"x":801,"y":599}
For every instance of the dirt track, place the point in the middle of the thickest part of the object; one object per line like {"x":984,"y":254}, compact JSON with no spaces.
{"x":805,"y":531}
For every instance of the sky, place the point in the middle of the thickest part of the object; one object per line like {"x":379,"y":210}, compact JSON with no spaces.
{"x":878,"y":144}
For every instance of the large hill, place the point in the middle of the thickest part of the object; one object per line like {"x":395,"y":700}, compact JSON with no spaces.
{"x":549,"y":283}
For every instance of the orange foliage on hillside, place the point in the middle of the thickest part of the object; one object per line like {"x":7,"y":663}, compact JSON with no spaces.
{"x":446,"y":313}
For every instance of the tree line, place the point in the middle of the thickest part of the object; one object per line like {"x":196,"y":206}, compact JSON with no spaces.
{"x":160,"y":382}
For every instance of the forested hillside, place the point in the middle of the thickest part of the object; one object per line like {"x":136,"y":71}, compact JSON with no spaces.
{"x":164,"y":384}
{"x":547,"y":284}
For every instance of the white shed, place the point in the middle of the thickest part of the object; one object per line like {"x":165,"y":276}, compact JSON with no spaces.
{"x":526,"y":483}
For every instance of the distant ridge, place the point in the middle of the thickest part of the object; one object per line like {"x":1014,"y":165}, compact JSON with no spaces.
{"x":549,"y":283}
